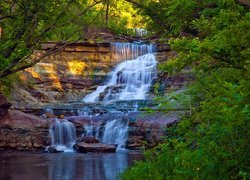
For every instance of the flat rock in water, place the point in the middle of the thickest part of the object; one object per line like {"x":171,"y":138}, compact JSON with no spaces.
{"x":95,"y":147}
{"x":52,"y":149}
{"x":89,"y":140}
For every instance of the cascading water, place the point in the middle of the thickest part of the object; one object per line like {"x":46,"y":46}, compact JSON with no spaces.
{"x":62,"y":135}
{"x":131,"y":79}
{"x":125,"y":51}
{"x":116,"y":132}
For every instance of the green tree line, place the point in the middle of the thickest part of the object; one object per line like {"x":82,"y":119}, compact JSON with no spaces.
{"x":212,"y":140}
{"x":25,"y":24}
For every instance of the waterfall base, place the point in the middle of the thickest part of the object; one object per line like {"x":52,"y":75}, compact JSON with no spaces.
{"x":62,"y":135}
{"x":95,"y":147}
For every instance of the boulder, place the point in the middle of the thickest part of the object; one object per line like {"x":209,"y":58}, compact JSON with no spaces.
{"x":20,"y":120}
{"x":89,"y":139}
{"x":135,"y":143}
{"x":23,"y":132}
{"x":95,"y":147}
{"x":52,"y":149}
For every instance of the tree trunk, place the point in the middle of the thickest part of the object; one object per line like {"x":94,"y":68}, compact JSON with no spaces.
{"x":107,"y":14}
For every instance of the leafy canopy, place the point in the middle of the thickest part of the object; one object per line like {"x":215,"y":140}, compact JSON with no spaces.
{"x":212,"y":142}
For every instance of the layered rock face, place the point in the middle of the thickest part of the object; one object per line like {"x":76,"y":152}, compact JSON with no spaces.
{"x":20,"y":131}
{"x":69,"y":74}
{"x":146,"y":133}
{"x":66,"y":75}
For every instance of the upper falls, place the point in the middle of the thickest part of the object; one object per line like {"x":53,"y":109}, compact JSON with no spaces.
{"x":132,"y":78}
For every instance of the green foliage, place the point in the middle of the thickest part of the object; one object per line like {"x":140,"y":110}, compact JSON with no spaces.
{"x":6,"y":85}
{"x":212,"y":142}
{"x":26,"y":24}
{"x":169,"y":16}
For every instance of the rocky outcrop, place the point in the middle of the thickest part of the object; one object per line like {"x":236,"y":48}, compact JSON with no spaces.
{"x":4,"y":105}
{"x":144,"y":135}
{"x":20,"y":131}
{"x":95,"y":147}
{"x":147,"y":133}
{"x":66,"y":75}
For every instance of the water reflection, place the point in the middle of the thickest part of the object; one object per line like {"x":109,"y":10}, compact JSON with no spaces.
{"x":65,"y":166}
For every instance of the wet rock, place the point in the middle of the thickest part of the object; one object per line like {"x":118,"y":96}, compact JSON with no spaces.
{"x":61,"y":116}
{"x":49,"y":115}
{"x":135,"y":143}
{"x":110,"y":92}
{"x":52,"y":149}
{"x":95,"y":147}
{"x":89,"y":139}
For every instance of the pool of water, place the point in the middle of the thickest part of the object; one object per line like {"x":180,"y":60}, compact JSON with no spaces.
{"x":65,"y":166}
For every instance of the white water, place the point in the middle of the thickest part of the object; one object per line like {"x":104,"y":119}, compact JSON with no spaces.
{"x":131,"y":79}
{"x":127,"y":51}
{"x":62,"y":135}
{"x":116,"y":132}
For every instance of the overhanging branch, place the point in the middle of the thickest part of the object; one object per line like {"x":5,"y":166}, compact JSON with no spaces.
{"x":55,"y":49}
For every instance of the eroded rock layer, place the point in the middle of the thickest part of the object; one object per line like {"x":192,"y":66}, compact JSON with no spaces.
{"x":20,"y":131}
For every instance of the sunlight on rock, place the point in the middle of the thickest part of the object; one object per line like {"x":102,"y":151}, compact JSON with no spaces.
{"x":76,"y":67}
{"x":33,"y":73}
{"x":51,"y":73}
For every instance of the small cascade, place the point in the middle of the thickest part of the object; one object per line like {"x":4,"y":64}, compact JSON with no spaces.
{"x":89,"y":130}
{"x":124,"y":51}
{"x":62,"y":135}
{"x":130,"y":80}
{"x":116,"y":132}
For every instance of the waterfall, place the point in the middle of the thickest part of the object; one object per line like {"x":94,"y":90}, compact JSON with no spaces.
{"x":131,"y":79}
{"x":62,"y":135}
{"x":125,"y":51}
{"x":116,"y":132}
{"x":89,"y":130}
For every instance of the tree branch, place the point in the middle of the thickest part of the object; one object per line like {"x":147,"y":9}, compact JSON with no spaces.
{"x":54,"y":26}
{"x":9,"y":71}
{"x":6,"y":16}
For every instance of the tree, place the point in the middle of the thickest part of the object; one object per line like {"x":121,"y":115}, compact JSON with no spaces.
{"x":26,"y":24}
{"x":212,"y":142}
{"x":107,"y":13}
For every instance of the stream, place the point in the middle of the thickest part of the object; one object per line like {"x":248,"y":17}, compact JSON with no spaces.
{"x":66,"y":166}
